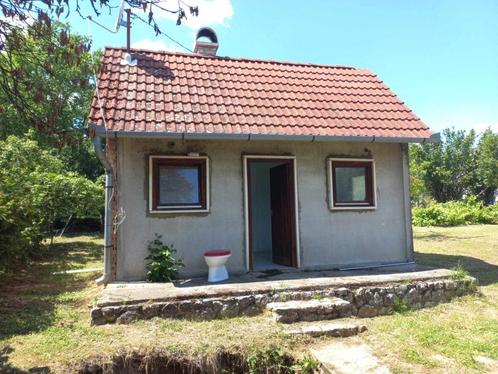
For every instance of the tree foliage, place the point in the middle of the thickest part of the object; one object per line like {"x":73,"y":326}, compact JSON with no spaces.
{"x":45,"y":84}
{"x":34,"y":195}
{"x":458,"y":166}
{"x":487,"y":166}
{"x":47,"y":165}
{"x":19,"y":14}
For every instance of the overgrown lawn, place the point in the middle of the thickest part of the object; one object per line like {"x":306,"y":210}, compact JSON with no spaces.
{"x":45,"y":318}
{"x":449,"y":338}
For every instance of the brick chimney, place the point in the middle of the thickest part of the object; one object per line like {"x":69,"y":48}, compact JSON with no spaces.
{"x":206,"y":47}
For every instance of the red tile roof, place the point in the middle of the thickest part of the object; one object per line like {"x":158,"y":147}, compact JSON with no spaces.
{"x":185,"y":93}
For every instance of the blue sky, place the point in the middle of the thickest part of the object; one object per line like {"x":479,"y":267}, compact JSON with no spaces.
{"x":440,"y":57}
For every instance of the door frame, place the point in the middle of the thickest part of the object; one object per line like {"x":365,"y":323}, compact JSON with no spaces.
{"x":247,"y":211}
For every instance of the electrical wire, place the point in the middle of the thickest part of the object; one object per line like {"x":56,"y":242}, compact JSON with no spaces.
{"x":163,"y":33}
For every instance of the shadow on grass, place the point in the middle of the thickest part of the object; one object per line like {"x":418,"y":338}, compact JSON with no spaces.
{"x":486,"y":273}
{"x":6,"y":367}
{"x":28,"y":299}
{"x":76,"y":254}
{"x":438,"y":236}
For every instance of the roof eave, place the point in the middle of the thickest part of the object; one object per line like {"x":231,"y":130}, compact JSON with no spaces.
{"x":101,"y":131}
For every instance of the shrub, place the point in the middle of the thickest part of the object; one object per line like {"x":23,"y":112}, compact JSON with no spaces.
{"x":162,"y":266}
{"x":452,"y":213}
{"x":35,"y":192}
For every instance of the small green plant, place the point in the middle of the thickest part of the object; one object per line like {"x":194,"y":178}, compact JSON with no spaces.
{"x":458,"y":273}
{"x":276,"y":289}
{"x":399,"y":306}
{"x":162,"y":266}
{"x":271,"y":360}
{"x":283,"y":297}
{"x":306,"y":365}
{"x":317,"y":296}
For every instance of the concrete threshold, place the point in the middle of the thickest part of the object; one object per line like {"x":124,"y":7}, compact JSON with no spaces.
{"x":126,"y":293}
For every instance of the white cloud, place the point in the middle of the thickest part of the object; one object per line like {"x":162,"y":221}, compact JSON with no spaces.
{"x":211,"y":13}
{"x":480,"y":127}
{"x":155,"y":45}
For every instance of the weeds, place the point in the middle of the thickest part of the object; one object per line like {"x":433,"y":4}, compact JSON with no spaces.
{"x":458,"y":273}
{"x":268,"y":361}
{"x":399,"y":306}
{"x":307,"y":364}
{"x":283,"y":297}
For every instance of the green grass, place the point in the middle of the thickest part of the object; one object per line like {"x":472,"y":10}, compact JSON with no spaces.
{"x":449,"y":337}
{"x":45,"y":320}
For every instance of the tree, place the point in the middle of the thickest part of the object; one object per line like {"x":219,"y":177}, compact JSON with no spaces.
{"x":418,"y":192}
{"x":45,"y":72}
{"x":19,"y":14}
{"x":487,"y":166}
{"x":34,"y":195}
{"x":460,"y":165}
{"x":45,"y":84}
{"x":447,"y":169}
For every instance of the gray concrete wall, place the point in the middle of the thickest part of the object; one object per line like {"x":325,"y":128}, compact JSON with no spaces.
{"x":327,"y":238}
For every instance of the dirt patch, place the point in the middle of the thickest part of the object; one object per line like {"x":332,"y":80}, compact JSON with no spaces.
{"x":160,"y":361}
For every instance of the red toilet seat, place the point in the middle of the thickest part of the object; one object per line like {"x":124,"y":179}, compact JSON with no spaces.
{"x":217,"y":253}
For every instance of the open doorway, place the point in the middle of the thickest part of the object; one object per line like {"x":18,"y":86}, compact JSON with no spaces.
{"x":271,"y":213}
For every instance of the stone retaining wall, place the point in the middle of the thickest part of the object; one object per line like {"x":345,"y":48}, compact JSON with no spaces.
{"x":365,"y":301}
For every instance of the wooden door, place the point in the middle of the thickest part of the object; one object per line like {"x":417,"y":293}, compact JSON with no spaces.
{"x":283,"y":219}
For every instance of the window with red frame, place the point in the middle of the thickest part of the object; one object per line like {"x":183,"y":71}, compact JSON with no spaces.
{"x":178,"y":183}
{"x":352,"y":183}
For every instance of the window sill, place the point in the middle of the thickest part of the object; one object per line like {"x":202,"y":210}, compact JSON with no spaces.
{"x":182,"y":211}
{"x":358,"y":207}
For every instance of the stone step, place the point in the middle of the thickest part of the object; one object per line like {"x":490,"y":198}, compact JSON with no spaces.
{"x":339,"y":357}
{"x":334,"y":329}
{"x":310,"y":310}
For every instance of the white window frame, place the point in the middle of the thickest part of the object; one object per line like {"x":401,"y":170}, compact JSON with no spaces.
{"x":182,"y":211}
{"x":330,"y":160}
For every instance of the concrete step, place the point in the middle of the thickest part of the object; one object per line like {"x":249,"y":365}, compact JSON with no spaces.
{"x":334,"y":329}
{"x":310,"y":310}
{"x":339,"y":357}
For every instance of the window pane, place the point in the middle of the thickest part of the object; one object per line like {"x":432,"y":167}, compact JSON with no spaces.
{"x":179,"y":185}
{"x":350,"y":184}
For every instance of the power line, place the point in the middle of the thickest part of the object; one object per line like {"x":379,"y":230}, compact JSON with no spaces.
{"x":163,"y":33}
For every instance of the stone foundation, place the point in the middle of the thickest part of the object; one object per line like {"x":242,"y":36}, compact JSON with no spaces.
{"x":365,"y":301}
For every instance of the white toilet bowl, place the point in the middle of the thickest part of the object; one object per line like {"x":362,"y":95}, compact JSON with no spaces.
{"x":216,"y":260}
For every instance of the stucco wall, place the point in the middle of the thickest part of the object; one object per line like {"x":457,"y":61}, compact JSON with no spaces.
{"x":327,"y":238}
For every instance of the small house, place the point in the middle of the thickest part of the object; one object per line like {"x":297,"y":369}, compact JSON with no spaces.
{"x":288,"y":165}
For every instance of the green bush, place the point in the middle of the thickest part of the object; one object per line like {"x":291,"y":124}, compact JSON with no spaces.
{"x":162,"y":266}
{"x":452,"y":213}
{"x":35,"y":193}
